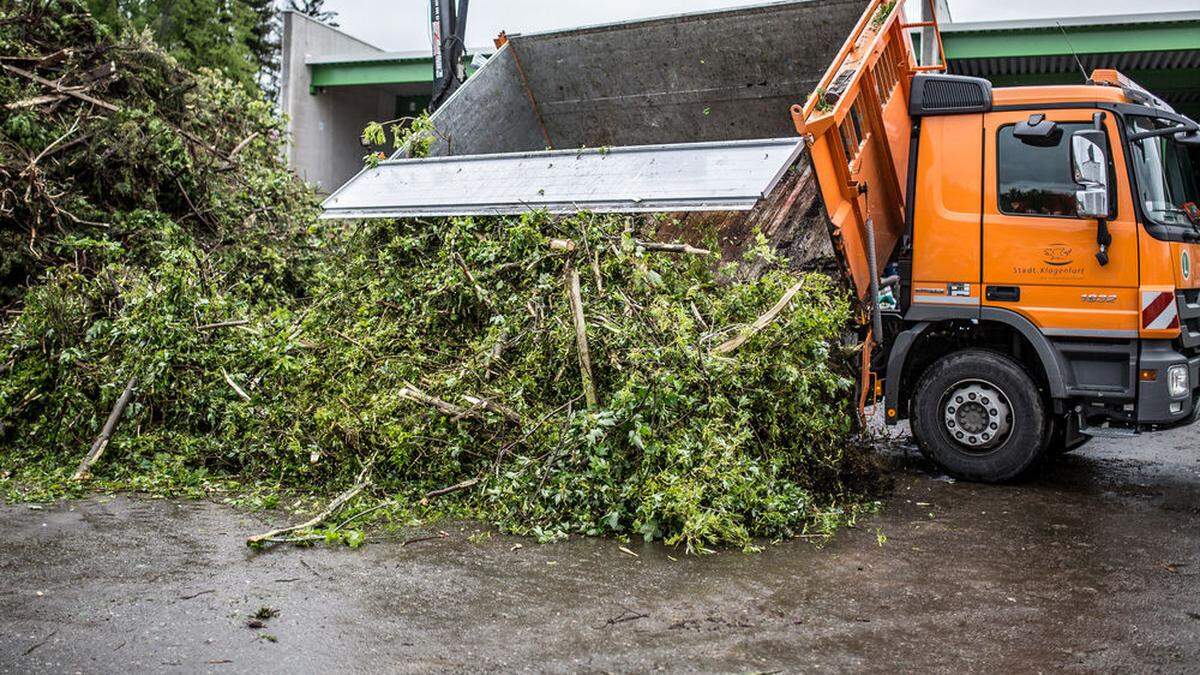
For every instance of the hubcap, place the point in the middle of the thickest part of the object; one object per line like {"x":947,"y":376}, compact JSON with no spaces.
{"x":977,"y":414}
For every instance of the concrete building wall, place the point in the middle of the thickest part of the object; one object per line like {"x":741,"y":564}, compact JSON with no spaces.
{"x":324,"y":127}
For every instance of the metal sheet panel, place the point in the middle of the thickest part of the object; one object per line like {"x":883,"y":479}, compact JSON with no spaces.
{"x":723,"y":176}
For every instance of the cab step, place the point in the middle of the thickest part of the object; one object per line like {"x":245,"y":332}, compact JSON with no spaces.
{"x":1109,"y":432}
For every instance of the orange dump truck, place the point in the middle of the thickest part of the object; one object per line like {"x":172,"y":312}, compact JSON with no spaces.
{"x":1023,"y":257}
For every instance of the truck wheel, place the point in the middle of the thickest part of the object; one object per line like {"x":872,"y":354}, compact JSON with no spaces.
{"x":1063,"y":437}
{"x":980,"y":416}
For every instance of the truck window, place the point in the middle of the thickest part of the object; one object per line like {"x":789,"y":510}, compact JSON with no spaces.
{"x":1036,"y":179}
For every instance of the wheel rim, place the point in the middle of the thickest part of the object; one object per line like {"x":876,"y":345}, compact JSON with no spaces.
{"x":977,"y":415}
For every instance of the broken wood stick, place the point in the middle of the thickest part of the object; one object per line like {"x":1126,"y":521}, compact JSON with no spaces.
{"x":364,"y":480}
{"x":59,"y":88}
{"x":241,"y":146}
{"x":562,"y":245}
{"x":35,"y":101}
{"x":411,"y":393}
{"x":224,"y":324}
{"x":585,"y":361}
{"x":672,"y":248}
{"x":498,"y":408}
{"x":462,"y":265}
{"x":234,"y":385}
{"x":761,"y":322}
{"x":101,"y":442}
{"x":472,"y":482}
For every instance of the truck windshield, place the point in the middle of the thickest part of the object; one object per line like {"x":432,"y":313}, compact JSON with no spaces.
{"x":1167,"y":172}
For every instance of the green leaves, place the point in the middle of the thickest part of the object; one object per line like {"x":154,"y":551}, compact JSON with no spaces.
{"x":278,"y":353}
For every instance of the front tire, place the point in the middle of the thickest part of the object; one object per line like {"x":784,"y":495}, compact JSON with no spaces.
{"x":980,"y":416}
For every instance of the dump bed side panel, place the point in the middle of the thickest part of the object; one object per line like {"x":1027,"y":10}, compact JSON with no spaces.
{"x":725,"y":75}
{"x":491,"y":114}
{"x":686,"y":177}
{"x":713,"y":76}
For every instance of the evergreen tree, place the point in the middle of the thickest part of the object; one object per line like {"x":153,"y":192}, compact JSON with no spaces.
{"x":264,"y":43}
{"x":236,"y":37}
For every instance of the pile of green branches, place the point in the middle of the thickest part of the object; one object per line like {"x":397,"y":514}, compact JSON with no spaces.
{"x":552,"y":376}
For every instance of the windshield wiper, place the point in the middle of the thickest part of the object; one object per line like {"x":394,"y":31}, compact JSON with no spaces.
{"x":1166,"y":131}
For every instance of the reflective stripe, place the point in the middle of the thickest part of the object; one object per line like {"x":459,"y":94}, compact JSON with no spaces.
{"x":1159,"y":311}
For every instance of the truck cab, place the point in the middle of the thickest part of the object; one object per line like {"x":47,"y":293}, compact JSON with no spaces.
{"x":1048,"y":293}
{"x":1024,"y":256}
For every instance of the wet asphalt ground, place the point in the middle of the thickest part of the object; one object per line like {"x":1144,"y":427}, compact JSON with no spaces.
{"x":1091,"y":565}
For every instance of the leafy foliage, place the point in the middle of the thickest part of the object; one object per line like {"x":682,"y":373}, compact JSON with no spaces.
{"x":166,"y":240}
{"x":236,"y":37}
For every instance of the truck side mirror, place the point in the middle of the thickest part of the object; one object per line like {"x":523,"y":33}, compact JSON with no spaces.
{"x":1089,"y":166}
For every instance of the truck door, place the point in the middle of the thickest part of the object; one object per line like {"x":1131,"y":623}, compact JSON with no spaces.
{"x":1039,"y":258}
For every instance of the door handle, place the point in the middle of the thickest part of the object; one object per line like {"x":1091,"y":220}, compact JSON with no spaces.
{"x":1004,"y":293}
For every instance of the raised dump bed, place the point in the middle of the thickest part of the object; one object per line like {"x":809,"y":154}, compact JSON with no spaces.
{"x":686,"y":114}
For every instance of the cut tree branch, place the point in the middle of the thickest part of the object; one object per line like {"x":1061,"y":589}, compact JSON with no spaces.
{"x":240,"y":392}
{"x":59,"y":88}
{"x":761,"y":322}
{"x":241,"y":146}
{"x":224,"y":324}
{"x":101,"y":442}
{"x":453,"y":488}
{"x":585,"y":361}
{"x":673,"y":248}
{"x":498,"y":408}
{"x":364,"y":479}
{"x":411,"y":393}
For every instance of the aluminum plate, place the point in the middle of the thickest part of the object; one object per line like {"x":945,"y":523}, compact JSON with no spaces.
{"x":715,"y":176}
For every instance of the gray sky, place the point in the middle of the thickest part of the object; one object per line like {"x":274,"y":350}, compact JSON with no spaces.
{"x":402,"y":25}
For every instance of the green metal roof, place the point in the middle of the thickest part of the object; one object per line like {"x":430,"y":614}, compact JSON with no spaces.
{"x":1160,"y":51}
{"x":1149,"y":33}
{"x":373,"y":69}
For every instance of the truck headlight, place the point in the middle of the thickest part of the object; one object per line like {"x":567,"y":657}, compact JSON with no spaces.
{"x":1177,"y":381}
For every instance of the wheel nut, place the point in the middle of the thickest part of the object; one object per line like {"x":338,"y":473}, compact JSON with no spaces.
{"x":950,"y":410}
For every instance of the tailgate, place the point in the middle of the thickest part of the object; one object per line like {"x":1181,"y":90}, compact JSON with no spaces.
{"x":683,"y":177}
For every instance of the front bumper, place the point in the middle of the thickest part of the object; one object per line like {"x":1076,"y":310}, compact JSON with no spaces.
{"x":1155,"y":405}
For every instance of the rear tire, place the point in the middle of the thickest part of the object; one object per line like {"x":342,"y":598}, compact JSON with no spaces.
{"x":979,"y":415}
